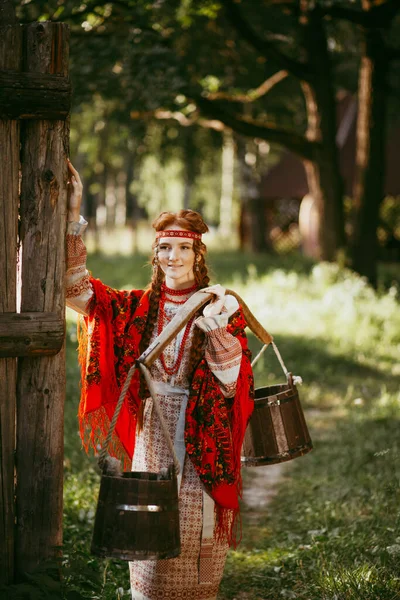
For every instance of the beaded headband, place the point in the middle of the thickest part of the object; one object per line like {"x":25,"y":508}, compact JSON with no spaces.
{"x":179,"y":233}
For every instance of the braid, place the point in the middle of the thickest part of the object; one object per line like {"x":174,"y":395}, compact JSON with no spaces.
{"x":192,"y":221}
{"x":154,"y":300}
{"x":202,"y":280}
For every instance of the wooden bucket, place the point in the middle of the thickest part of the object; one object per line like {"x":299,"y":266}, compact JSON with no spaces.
{"x":277,"y":430}
{"x":137,"y":517}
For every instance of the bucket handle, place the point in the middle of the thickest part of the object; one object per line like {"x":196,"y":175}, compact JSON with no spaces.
{"x":278,"y":355}
{"x":291,"y":379}
{"x":264,"y":337}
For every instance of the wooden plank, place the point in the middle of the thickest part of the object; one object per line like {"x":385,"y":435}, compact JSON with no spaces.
{"x":21,"y":82}
{"x":41,"y":381}
{"x":34,"y":96}
{"x":10,"y":57}
{"x":30,"y":334}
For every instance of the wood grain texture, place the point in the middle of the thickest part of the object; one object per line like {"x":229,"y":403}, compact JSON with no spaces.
{"x":34,"y":96}
{"x":122,"y":532}
{"x":10,"y":57}
{"x":41,"y":381}
{"x":30,"y":334}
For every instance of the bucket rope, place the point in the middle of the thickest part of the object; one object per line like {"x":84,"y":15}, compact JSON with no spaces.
{"x":149,"y":381}
{"x":297,"y":380}
{"x":160,"y":415}
{"x":103,"y":451}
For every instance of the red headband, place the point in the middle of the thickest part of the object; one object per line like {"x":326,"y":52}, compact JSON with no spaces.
{"x":179,"y":233}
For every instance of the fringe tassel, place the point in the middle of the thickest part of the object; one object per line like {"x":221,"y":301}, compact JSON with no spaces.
{"x":229,"y":521}
{"x":240,"y":413}
{"x":93,"y":429}
{"x":94,"y":425}
{"x":228,"y":525}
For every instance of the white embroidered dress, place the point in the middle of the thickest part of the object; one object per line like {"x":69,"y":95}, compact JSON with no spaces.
{"x":196,"y":573}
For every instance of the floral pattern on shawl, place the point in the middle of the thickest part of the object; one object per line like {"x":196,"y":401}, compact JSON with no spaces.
{"x":214,"y":429}
{"x":215,"y":425}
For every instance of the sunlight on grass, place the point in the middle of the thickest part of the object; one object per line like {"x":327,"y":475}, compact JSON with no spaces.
{"x":361,"y":583}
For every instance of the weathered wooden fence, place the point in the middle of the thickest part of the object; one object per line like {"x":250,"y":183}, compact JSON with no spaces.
{"x":34,"y":136}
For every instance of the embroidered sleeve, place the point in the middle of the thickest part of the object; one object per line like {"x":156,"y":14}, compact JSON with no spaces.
{"x":78,"y":287}
{"x":223,"y":352}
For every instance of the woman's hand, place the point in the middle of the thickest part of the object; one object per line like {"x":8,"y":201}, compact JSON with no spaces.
{"x":75,"y":193}
{"x":215,"y":306}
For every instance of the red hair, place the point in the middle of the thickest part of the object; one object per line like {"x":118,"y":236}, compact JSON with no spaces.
{"x":191,"y":221}
{"x":187,"y":219}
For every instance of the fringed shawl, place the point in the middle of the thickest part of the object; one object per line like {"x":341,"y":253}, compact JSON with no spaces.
{"x":109,"y":341}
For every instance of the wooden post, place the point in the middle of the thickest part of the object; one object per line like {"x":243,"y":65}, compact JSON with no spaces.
{"x":31,"y":334}
{"x":41,"y":381}
{"x":10,"y":58}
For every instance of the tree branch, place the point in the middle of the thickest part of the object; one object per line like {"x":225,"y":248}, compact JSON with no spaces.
{"x":220,"y":119}
{"x":263,"y":89}
{"x":297,"y":143}
{"x":182,"y":119}
{"x":264,"y":47}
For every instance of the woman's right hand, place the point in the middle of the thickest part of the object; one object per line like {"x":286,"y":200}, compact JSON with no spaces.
{"x":75,"y":193}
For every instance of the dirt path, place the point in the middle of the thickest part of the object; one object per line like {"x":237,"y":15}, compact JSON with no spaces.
{"x":260,"y":485}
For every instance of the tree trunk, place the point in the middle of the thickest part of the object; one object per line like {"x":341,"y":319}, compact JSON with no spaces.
{"x":323,"y":172}
{"x":41,"y":381}
{"x":10,"y":58}
{"x":253,"y":226}
{"x":132,"y":207}
{"x":370,"y":154}
{"x":318,"y":147}
{"x":227,"y":184}
{"x":189,"y":176}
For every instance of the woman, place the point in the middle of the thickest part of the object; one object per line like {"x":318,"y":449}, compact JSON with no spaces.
{"x":203,"y":381}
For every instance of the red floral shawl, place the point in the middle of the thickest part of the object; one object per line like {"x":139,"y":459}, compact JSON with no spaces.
{"x":109,"y":339}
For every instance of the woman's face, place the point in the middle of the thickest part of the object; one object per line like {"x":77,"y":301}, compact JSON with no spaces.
{"x":176,"y":257}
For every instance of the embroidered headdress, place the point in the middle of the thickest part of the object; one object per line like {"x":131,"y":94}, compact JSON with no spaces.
{"x":179,"y":234}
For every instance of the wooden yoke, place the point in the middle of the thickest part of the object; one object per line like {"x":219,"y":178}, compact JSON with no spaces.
{"x":185,"y":313}
{"x":147,"y":358}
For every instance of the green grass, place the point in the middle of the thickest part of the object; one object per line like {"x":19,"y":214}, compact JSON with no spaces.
{"x":332,"y":532}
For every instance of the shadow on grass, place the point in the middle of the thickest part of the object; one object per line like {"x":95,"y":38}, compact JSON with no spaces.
{"x":333,"y":529}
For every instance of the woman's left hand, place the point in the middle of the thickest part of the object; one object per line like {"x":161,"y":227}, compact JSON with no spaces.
{"x":215,"y":306}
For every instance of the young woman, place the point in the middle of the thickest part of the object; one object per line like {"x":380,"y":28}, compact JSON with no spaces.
{"x":203,"y":381}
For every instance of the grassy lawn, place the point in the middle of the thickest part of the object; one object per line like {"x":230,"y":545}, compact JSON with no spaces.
{"x":332,"y":531}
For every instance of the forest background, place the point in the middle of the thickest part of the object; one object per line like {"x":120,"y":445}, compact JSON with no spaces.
{"x":188,"y":104}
